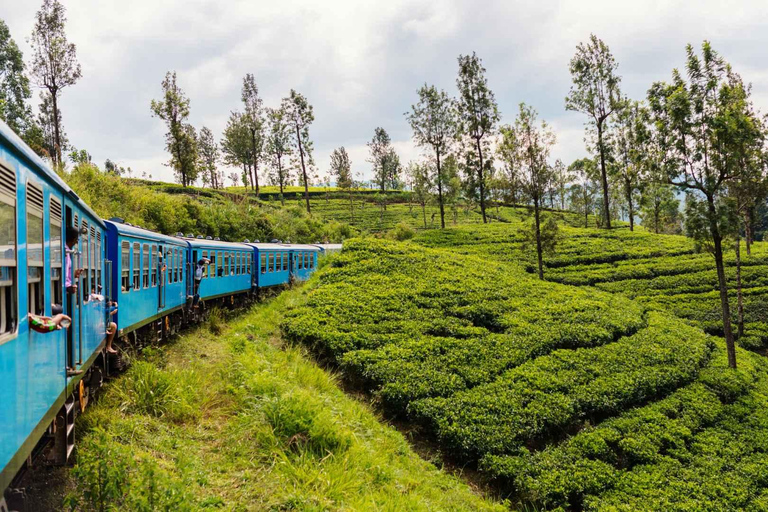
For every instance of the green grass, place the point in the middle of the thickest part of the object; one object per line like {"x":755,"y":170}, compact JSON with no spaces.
{"x":237,"y":421}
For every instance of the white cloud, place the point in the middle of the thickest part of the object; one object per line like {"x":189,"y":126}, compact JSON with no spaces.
{"x":359,"y":62}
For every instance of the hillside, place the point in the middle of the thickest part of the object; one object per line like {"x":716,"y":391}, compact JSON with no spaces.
{"x":569,"y":396}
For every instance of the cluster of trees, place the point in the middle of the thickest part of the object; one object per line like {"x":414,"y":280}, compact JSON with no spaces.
{"x":53,"y":68}
{"x":276,"y":139}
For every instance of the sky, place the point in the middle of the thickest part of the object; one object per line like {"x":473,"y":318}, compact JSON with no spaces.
{"x":360,"y":62}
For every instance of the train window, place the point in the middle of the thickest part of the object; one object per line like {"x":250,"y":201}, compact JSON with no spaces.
{"x":272,"y":258}
{"x":232,"y":263}
{"x":136,"y":266}
{"x":220,"y":259}
{"x":98,"y":259}
{"x":301,"y":261}
{"x":183,"y":265}
{"x":35,"y":249}
{"x":8,"y":309}
{"x":285,"y":261}
{"x":237,"y":263}
{"x":84,"y":261}
{"x":242,"y":263}
{"x":125,"y":266}
{"x":226,"y":263}
{"x":263,"y":263}
{"x":54,"y":227}
{"x":154,"y":266}
{"x":205,"y":267}
{"x":145,"y":266}
{"x":175,"y":265}
{"x":94,"y":262}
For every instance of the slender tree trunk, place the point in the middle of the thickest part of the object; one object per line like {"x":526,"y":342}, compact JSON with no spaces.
{"x":56,"y":128}
{"x":303,"y":168}
{"x":281,"y":179}
{"x":740,"y":327}
{"x":630,"y":205}
{"x":726,"y":309}
{"x":351,"y":205}
{"x":424,"y":213}
{"x":255,"y":176}
{"x":538,"y":236}
{"x":481,"y":179}
{"x":440,"y":191}
{"x":604,"y":176}
{"x":748,"y":230}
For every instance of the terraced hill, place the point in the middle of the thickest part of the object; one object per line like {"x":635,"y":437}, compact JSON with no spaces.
{"x":569,"y":396}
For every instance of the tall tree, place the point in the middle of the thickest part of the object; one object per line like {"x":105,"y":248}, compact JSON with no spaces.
{"x":434,"y":123}
{"x":534,"y":143}
{"x":632,"y":140}
{"x":299,"y":114}
{"x":595,"y":92}
{"x":341,"y":169}
{"x":254,"y":119}
{"x":386,"y":163}
{"x":180,"y":140}
{"x":236,"y":144}
{"x":421,"y":185}
{"x":702,"y":121}
{"x":14,"y":84}
{"x":659,"y":209}
{"x":478,"y":112}
{"x":54,"y":62}
{"x":279,"y":146}
{"x":209,"y":156}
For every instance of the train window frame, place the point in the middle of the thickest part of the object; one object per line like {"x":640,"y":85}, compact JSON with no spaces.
{"x":226,"y":263}
{"x":154,"y":265}
{"x":220,"y":264}
{"x":145,"y":266}
{"x":263,"y":262}
{"x":236,"y":261}
{"x":205,"y":267}
{"x":99,"y":259}
{"x":35,"y":207}
{"x":136,"y":267}
{"x":9,"y":299}
{"x":232,"y":263}
{"x":300,"y":256}
{"x":125,"y":266}
{"x":94,"y":261}
{"x":55,"y":250}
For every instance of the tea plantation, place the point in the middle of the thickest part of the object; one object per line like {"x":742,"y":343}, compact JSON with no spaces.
{"x":571,"y":397}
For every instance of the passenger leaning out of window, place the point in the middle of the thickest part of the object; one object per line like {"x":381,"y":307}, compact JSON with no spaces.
{"x":70,"y":281}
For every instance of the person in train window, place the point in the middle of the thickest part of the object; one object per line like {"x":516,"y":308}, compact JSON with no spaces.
{"x":46,"y":324}
{"x":70,"y":281}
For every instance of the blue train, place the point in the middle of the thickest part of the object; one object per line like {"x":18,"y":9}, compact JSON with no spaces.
{"x":46,"y":379}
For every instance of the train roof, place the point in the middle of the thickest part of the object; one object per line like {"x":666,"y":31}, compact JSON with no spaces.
{"x":303,"y":247}
{"x":136,"y":231}
{"x":268,"y":246}
{"x":330,"y":247}
{"x":20,"y":147}
{"x":204,"y":243}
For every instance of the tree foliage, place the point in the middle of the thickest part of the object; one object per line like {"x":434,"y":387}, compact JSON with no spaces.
{"x":54,"y":65}
{"x":478,"y":114}
{"x":300,"y":115}
{"x":595,"y":92}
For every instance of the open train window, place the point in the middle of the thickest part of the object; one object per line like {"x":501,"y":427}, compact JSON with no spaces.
{"x":232,"y":263}
{"x":301,"y":261}
{"x":8,"y":306}
{"x":205,"y":267}
{"x":154,"y":266}
{"x":99,"y":259}
{"x":84,"y":262}
{"x":136,"y":266}
{"x":54,"y":228}
{"x":125,"y":266}
{"x":242,"y":262}
{"x":220,"y":257}
{"x":35,"y":286}
{"x":263,"y":263}
{"x":236,"y":263}
{"x":145,"y":265}
{"x":226,"y":263}
{"x":95,"y":261}
{"x":285,"y":261}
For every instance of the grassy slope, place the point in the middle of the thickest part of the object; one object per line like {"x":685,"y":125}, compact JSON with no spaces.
{"x":236,"y":420}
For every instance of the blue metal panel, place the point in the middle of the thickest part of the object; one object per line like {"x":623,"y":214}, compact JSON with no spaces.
{"x":32,"y":365}
{"x":217,"y":283}
{"x":137,"y":305}
{"x":271,"y":274}
{"x":303,"y":261}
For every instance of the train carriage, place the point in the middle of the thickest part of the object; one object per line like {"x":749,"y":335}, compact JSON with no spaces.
{"x":148,"y":276}
{"x":273,"y":262}
{"x":303,"y":260}
{"x":228,"y":274}
{"x":39,"y":372}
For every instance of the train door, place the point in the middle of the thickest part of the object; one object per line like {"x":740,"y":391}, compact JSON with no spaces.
{"x":161,"y":270}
